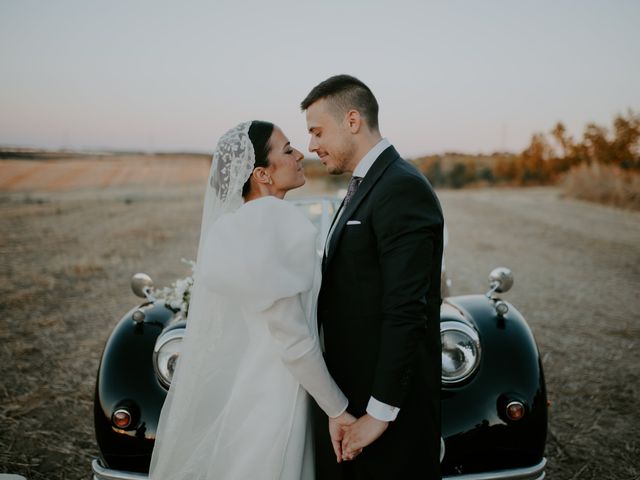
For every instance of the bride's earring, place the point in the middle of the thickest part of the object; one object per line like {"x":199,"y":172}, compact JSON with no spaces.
{"x":270,"y":181}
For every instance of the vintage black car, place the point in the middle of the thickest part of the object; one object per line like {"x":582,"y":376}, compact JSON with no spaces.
{"x":494,"y":402}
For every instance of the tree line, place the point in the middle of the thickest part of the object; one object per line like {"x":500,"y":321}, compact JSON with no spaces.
{"x":547,"y":158}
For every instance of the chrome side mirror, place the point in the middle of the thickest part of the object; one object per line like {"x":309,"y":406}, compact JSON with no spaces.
{"x":500,"y":280}
{"x":141,"y":284}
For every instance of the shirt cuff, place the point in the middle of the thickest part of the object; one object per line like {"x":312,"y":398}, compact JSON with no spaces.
{"x":382,"y":411}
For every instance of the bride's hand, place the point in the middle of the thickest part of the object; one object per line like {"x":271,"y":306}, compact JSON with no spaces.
{"x":363,"y":432}
{"x":337,"y":427}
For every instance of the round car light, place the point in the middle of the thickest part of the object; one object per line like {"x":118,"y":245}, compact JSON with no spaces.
{"x":460,"y":352}
{"x":166,"y":353}
{"x":515,"y":411}
{"x":121,"y":418}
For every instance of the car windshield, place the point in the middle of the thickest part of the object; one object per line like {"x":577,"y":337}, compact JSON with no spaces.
{"x":320,"y":211}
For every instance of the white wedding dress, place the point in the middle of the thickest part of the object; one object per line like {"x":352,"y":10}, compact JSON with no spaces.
{"x":238,"y":407}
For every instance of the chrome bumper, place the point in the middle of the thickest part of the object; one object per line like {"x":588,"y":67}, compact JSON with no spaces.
{"x":102,"y":473}
{"x":530,"y":473}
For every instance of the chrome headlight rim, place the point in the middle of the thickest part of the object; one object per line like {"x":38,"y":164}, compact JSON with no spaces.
{"x":474,"y":337}
{"x":175,"y":335}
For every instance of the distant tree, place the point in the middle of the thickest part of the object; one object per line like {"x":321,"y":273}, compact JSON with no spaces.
{"x":626,"y":141}
{"x":458,"y":175}
{"x":486,"y":174}
{"x":471,"y":172}
{"x":534,"y":161}
{"x":595,"y":144}
{"x":504,"y":169}
{"x":565,"y":142}
{"x":566,"y":157}
{"x":435,"y":174}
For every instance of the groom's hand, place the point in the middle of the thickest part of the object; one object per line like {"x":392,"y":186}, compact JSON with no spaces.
{"x":336,"y":431}
{"x":363,"y":432}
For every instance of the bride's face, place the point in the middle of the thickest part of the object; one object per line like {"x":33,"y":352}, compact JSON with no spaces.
{"x":285,"y":163}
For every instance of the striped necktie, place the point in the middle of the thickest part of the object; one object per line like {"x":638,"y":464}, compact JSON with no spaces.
{"x":354,"y":183}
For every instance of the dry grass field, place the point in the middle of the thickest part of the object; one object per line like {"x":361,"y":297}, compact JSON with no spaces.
{"x":68,"y":248}
{"x":604,"y":184}
{"x":59,"y":171}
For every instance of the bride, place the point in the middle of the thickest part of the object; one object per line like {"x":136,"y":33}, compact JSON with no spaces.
{"x":238,"y":407}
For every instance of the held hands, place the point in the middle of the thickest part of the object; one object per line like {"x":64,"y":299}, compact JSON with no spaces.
{"x":337,"y":427}
{"x":349,"y":436}
{"x":360,"y":434}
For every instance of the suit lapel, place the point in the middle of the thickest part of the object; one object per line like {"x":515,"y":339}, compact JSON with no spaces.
{"x":379,"y":166}
{"x":333,"y":220}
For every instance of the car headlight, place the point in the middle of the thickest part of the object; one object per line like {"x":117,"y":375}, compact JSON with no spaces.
{"x":460,"y":352}
{"x":166,"y":353}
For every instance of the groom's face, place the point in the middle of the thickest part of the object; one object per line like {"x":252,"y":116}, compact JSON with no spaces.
{"x":331,"y":138}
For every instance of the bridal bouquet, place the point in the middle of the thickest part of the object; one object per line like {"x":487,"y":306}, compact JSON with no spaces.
{"x":178,"y":294}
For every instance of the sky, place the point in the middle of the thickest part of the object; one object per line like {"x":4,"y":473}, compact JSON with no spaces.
{"x":466,"y":76}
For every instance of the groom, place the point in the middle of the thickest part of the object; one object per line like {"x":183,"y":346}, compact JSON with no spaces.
{"x":379,"y":304}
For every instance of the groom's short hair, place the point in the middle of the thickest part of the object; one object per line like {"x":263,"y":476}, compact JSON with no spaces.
{"x":345,"y":93}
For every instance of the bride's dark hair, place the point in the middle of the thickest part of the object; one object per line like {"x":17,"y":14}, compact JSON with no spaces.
{"x":260,"y":136}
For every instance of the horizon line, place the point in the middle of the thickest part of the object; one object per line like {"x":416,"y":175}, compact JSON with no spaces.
{"x":125,"y":151}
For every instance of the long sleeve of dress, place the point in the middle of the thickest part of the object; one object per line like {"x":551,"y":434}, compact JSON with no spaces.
{"x":300,"y":352}
{"x":264,"y":257}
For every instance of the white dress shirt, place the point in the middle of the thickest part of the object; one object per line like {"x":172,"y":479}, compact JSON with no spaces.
{"x":375,"y":408}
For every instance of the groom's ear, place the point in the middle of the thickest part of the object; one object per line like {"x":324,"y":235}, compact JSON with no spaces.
{"x":353,"y":121}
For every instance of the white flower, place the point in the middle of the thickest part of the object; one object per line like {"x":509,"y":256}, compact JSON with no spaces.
{"x":178,"y":294}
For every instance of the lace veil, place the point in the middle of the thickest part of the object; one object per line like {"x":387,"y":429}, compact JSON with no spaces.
{"x":233,"y":162}
{"x":207,"y":366}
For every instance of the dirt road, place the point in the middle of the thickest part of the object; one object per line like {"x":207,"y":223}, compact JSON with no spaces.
{"x":66,"y":259}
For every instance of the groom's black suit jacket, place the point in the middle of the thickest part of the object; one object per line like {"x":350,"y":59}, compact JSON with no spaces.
{"x":379,"y":309}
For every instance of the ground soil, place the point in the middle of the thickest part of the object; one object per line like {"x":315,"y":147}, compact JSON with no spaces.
{"x":67,"y":254}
